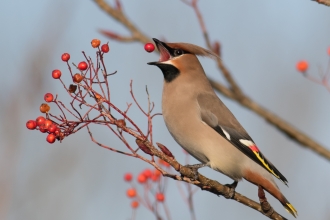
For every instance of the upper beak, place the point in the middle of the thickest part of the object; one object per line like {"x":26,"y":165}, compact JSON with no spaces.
{"x":163,"y":51}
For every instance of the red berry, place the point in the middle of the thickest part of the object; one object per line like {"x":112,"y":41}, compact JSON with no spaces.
{"x":105,"y":48}
{"x":135,"y":204}
{"x":56,"y":74}
{"x":31,"y":124}
{"x":44,"y":108}
{"x":131,"y":193}
{"x":149,"y":47}
{"x":48,"y":97}
{"x":52,"y":128}
{"x":302,"y":66}
{"x":142,"y":178}
{"x":40,"y":120}
{"x":329,"y":51}
{"x":77,"y":78}
{"x":57,"y":131}
{"x":157,"y":172}
{"x":82,"y":65}
{"x":147,"y":173}
{"x":51,"y":138}
{"x":154,"y":177}
{"x":48,"y":123}
{"x":95,"y":43}
{"x":65,"y":57}
{"x":43,"y":128}
{"x":128,"y":177}
{"x":160,"y":197}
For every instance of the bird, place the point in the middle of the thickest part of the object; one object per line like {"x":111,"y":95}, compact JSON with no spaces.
{"x":203,"y":126}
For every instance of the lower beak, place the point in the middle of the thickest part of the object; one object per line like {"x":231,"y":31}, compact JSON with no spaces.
{"x":153,"y":63}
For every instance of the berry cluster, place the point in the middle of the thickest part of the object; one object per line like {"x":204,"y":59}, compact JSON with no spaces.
{"x":153,"y":184}
{"x":90,"y":93}
{"x":62,"y":128}
{"x":45,"y":125}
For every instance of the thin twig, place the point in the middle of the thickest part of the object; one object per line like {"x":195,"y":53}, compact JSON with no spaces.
{"x":167,"y":211}
{"x":136,"y":102}
{"x":104,"y":146}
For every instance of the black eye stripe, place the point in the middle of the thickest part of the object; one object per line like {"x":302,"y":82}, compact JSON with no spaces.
{"x":175,"y":52}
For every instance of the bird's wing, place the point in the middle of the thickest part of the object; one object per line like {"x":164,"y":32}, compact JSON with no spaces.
{"x":215,"y":114}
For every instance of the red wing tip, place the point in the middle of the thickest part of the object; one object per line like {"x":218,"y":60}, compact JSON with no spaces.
{"x":254,"y":148}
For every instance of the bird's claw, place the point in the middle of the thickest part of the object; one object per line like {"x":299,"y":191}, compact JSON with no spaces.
{"x":230,"y":194}
{"x":194,"y":169}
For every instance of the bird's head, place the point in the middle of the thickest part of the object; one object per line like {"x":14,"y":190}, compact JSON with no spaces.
{"x":177,"y":58}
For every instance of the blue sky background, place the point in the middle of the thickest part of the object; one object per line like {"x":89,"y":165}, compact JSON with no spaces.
{"x":261,"y":43}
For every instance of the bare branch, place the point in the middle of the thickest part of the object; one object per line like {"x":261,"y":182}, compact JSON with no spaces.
{"x":207,"y":184}
{"x":117,"y":37}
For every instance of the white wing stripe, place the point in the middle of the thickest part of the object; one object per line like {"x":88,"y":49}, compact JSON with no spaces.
{"x":246,"y":142}
{"x":226,"y":133}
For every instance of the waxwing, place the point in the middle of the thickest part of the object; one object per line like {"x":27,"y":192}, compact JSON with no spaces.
{"x":202,"y":125}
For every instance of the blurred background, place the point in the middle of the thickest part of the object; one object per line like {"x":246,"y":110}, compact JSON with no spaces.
{"x":261,"y":41}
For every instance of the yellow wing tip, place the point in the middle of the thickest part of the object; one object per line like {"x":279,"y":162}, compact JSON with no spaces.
{"x":289,"y":208}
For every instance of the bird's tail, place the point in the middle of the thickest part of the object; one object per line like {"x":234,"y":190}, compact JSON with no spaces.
{"x":289,"y":207}
{"x":270,"y":186}
{"x":281,"y":198}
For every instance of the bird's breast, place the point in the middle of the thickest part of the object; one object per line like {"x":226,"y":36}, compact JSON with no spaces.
{"x":182,"y":117}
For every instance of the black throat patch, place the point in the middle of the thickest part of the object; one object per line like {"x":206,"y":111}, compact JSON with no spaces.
{"x":170,"y":72}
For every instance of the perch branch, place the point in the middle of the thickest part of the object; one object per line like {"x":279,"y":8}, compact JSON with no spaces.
{"x":205,"y":183}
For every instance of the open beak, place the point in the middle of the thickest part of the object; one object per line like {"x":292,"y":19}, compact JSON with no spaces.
{"x":163,"y":51}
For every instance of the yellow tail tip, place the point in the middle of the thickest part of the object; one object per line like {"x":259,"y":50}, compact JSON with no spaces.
{"x":289,"y":208}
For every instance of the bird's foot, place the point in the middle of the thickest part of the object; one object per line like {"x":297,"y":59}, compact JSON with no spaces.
{"x":265,"y":206}
{"x":230,"y":194}
{"x":194,"y":169}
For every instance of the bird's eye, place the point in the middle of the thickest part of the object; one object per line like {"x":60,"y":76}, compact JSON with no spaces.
{"x":178,"y":52}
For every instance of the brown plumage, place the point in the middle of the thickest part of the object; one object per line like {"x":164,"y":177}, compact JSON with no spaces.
{"x":202,"y":125}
